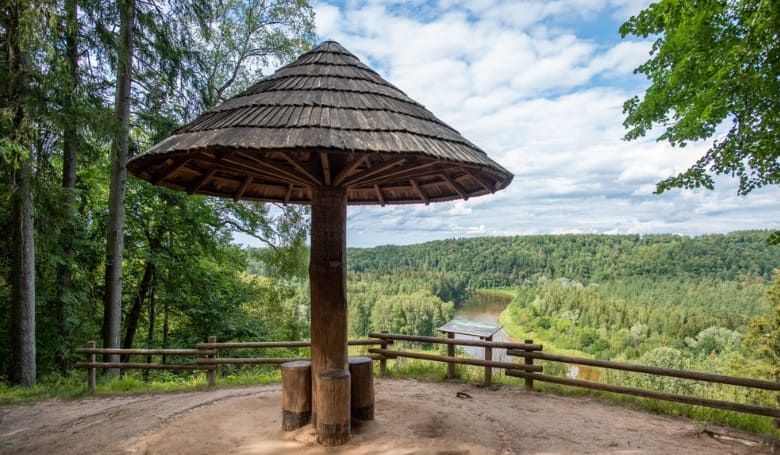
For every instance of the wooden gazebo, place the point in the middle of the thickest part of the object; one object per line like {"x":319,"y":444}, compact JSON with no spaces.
{"x":328,"y":131}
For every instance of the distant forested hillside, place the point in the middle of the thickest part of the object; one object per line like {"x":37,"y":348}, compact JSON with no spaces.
{"x":507,"y":261}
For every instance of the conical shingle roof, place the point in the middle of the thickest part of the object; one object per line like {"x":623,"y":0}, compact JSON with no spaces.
{"x":325,"y":119}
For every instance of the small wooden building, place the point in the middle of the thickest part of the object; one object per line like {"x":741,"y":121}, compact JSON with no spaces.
{"x":457,"y":328}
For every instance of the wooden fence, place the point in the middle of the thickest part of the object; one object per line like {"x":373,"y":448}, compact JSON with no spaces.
{"x":207,"y":358}
{"x":531,"y":372}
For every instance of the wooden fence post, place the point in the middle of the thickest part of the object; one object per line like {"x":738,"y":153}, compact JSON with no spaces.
{"x":450,"y":353}
{"x":489,"y":357}
{"x":383,"y":360}
{"x":91,"y":370}
{"x":212,"y":373}
{"x":529,"y":383}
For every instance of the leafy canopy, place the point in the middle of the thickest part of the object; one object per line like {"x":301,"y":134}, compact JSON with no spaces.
{"x":713,"y":63}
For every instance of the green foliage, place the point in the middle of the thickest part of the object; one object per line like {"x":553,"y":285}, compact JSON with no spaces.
{"x":384,"y":302}
{"x":199,"y":287}
{"x":712,"y":62}
{"x":762,"y":339}
{"x":512,"y":261}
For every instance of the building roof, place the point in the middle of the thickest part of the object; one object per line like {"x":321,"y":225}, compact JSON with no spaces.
{"x":477,"y":329}
{"x":326,"y":119}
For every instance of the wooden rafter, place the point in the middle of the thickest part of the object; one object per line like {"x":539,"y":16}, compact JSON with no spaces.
{"x":233,"y":164}
{"x":242,"y":189}
{"x":405,"y":173}
{"x":480,"y":180}
{"x":204,"y":179}
{"x":419,"y":191}
{"x":275,"y":169}
{"x":288,"y":194}
{"x":379,"y":195}
{"x":302,"y":169}
{"x":349,"y":169}
{"x":456,"y":187}
{"x":373,"y":171}
{"x":177,"y":164}
{"x":325,"y":167}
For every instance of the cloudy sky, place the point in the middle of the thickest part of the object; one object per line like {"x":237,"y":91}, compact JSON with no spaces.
{"x":539,"y":85}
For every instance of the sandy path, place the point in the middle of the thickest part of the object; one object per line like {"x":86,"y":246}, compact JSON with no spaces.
{"x":412,"y":417}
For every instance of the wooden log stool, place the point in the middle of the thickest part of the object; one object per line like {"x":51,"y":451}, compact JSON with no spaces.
{"x":361,"y":371}
{"x":333,"y":416}
{"x":296,"y":394}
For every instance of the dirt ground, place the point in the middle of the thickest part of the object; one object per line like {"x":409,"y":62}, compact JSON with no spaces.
{"x":411,"y":418}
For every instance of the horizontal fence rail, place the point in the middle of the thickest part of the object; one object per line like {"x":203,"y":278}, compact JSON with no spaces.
{"x":207,"y":357}
{"x":456,"y":360}
{"x":665,"y":396}
{"x":451,"y":360}
{"x":277,"y":344}
{"x":659,"y":371}
{"x":457,"y":341}
{"x":530,"y":377}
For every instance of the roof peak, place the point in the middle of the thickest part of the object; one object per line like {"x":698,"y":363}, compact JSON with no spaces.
{"x":331,"y":46}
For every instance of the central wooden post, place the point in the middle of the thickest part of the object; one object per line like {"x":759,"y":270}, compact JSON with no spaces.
{"x":327,"y":276}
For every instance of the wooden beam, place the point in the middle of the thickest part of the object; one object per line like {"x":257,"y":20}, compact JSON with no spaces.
{"x":288,"y":194}
{"x":242,"y":189}
{"x":276,"y":170}
{"x":325,"y":167}
{"x":665,"y":396}
{"x":232,"y":164}
{"x":177,"y":164}
{"x":142,"y":366}
{"x":302,"y":169}
{"x":349,"y":169}
{"x":379,"y":195}
{"x":390,"y":337}
{"x":456,"y":360}
{"x":404,"y":173}
{"x":480,"y":180}
{"x":419,"y":191}
{"x":205,"y":178}
{"x":660,"y":371}
{"x":328,"y":291}
{"x":373,"y":171}
{"x":456,"y":187}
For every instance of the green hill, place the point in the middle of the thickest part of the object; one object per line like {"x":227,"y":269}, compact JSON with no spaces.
{"x":510,"y":261}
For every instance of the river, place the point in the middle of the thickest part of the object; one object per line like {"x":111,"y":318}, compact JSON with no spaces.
{"x":486,"y":307}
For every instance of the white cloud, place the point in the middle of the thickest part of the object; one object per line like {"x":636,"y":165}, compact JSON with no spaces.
{"x":543,"y":96}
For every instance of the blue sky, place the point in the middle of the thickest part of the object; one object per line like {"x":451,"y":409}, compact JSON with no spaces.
{"x":538,"y":85}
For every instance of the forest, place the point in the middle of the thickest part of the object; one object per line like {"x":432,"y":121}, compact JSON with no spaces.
{"x":708,"y":303}
{"x":506,"y":261}
{"x":92,"y":254}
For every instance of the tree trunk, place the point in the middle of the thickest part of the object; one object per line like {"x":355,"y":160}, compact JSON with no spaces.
{"x":150,"y":333}
{"x":135,"y":311}
{"x":165,"y":328}
{"x":69,"y":146}
{"x":327,"y":275}
{"x":22,"y":357}
{"x":112,"y":311}
{"x":22,"y":325}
